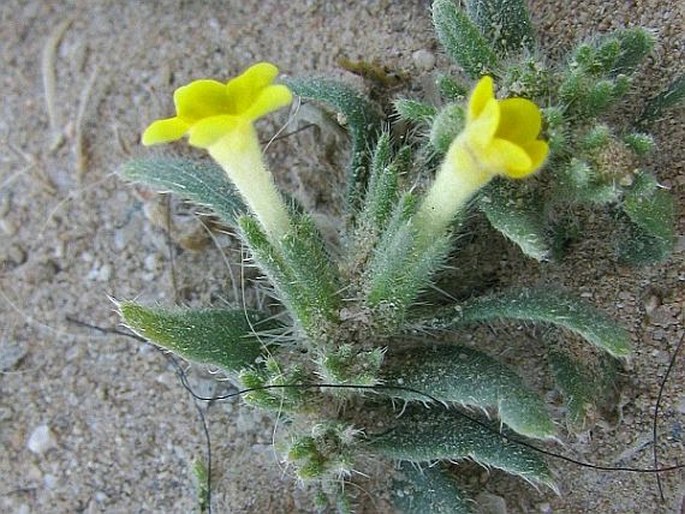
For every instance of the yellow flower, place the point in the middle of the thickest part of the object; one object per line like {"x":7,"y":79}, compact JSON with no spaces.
{"x":207,"y":110}
{"x":220,"y":118}
{"x":502,"y":135}
{"x":500,"y":138}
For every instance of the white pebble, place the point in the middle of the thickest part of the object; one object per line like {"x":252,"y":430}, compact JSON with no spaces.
{"x":8,"y":227}
{"x":105,"y":273}
{"x":545,"y":508}
{"x":50,"y":481}
{"x":681,"y":405}
{"x":423,"y":59}
{"x":491,"y":503}
{"x":41,"y":440}
{"x":152,"y":262}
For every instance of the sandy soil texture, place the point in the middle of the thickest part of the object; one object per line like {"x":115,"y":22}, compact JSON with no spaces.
{"x":93,"y":422}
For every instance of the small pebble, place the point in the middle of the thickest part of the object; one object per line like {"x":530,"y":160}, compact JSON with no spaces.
{"x":624,"y":295}
{"x":100,"y":273}
{"x":105,"y":273}
{"x":41,"y":440}
{"x":8,"y":227}
{"x":11,"y":355}
{"x":423,"y":59}
{"x":651,"y":304}
{"x":152,"y":262}
{"x":659,"y":334}
{"x":679,"y":245}
{"x":662,"y":316}
{"x":545,"y":508}
{"x":491,"y":504}
{"x":681,"y":405}
{"x":50,"y":481}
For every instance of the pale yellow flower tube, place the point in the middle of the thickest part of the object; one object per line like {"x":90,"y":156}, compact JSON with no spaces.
{"x":240,"y":156}
{"x":459,"y":177}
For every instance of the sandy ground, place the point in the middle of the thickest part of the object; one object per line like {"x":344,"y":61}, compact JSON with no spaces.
{"x":92,"y":422}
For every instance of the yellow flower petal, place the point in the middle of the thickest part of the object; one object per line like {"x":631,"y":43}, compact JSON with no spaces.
{"x":508,"y":158}
{"x":200,"y":99}
{"x":482,"y":94}
{"x":482,"y":129}
{"x":270,"y":99}
{"x":246,"y":87}
{"x":164,"y":131}
{"x":520,"y":120}
{"x":208,"y":131}
{"x":537,"y":151}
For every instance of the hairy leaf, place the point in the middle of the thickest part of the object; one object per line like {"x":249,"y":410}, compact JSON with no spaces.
{"x":462,"y":40}
{"x":575,"y":385}
{"x":653,"y":215}
{"x":223,"y":338}
{"x":382,"y":193}
{"x":312,"y":271}
{"x":399,"y":271}
{"x":414,"y":111}
{"x":466,"y":376}
{"x":505,"y":23}
{"x":518,"y":220}
{"x":543,"y":306}
{"x":201,"y":182}
{"x":419,"y":491}
{"x":670,"y":97}
{"x":427,"y":435}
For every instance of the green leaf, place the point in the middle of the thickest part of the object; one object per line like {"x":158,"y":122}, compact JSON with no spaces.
{"x":312,"y":270}
{"x":613,"y":54}
{"x":300,"y":270}
{"x":427,"y":435}
{"x":279,"y":399}
{"x":517,"y":219}
{"x":224,"y":338}
{"x":201,"y":475}
{"x":414,"y":111}
{"x":577,"y":387}
{"x":637,"y":247}
{"x":652,"y":212}
{"x":399,"y":270}
{"x":462,"y":375}
{"x":294,"y":295}
{"x":542,"y":306}
{"x":462,"y":40}
{"x":451,"y":89}
{"x":670,"y":97}
{"x":420,"y":491}
{"x":201,"y":182}
{"x":651,"y":208}
{"x":382,"y":193}
{"x":505,"y":23}
{"x":635,"y":44}
{"x":579,"y":182}
{"x":639,"y":143}
{"x":362,"y":117}
{"x":447,"y":125}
